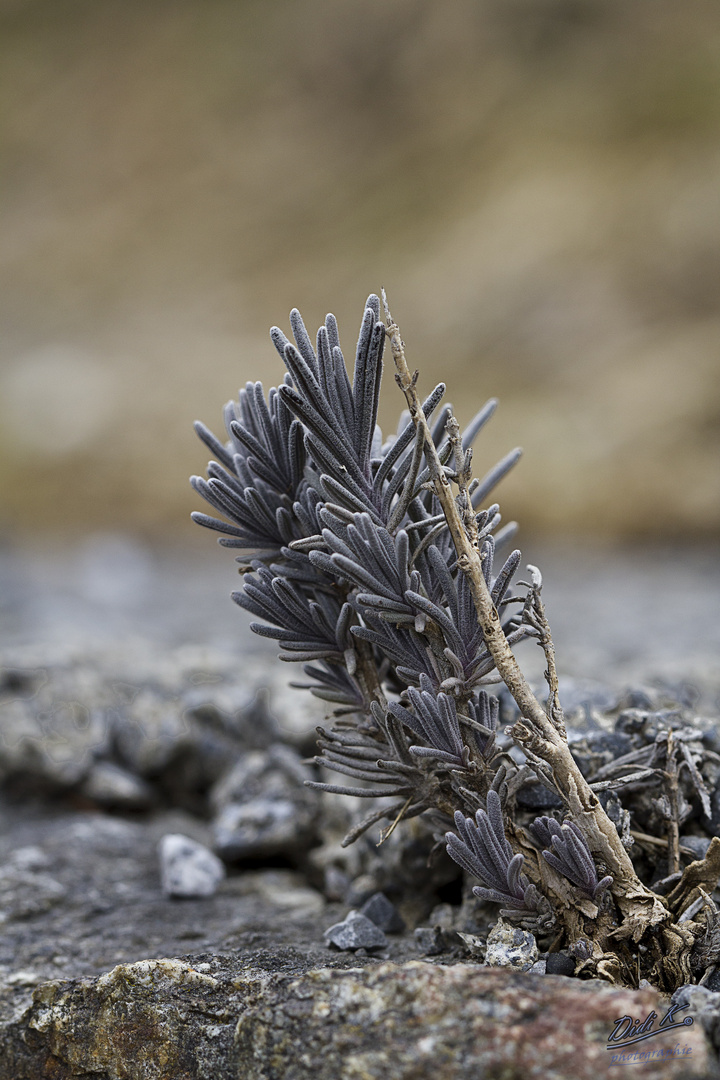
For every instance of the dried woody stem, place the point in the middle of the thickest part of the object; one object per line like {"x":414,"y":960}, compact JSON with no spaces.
{"x":541,"y":733}
{"x":671,"y":785}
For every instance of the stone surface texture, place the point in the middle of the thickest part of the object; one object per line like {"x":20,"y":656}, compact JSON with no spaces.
{"x":212,"y":1019}
{"x":110,"y":741}
{"x":263,"y":808}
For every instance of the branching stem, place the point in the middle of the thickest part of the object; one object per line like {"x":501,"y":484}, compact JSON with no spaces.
{"x":640,"y":907}
{"x":540,"y":622}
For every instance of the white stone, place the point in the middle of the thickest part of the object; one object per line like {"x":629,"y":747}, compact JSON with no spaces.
{"x":509,"y":946}
{"x":188,"y":868}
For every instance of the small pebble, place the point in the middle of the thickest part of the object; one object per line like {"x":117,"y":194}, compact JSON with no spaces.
{"x":697,"y":844}
{"x":443,"y":915}
{"x":537,"y":797}
{"x":336,"y":884}
{"x":560,"y":964}
{"x":187,"y":868}
{"x":110,"y":785}
{"x":383,"y":913}
{"x":355,"y":932}
{"x":509,"y":946}
{"x":361,"y":889}
{"x":473,"y":944}
{"x":263,"y":808}
{"x":430,"y":940}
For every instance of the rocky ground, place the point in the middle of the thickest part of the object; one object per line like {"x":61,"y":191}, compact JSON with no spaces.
{"x":170,"y":891}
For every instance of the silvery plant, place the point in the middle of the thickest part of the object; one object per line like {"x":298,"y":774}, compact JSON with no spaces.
{"x":374,"y":562}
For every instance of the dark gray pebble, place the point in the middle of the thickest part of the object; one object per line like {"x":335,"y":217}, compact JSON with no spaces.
{"x":558,"y":963}
{"x":537,"y":797}
{"x":430,"y":940}
{"x":355,"y":932}
{"x":383,"y":913}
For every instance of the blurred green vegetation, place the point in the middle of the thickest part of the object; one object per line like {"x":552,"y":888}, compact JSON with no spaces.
{"x":535,"y":182}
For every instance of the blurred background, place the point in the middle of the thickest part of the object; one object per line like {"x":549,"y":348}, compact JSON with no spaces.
{"x":536,"y":183}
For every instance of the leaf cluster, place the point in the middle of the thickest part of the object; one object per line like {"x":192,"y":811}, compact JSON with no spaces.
{"x":350,"y":566}
{"x":350,"y":562}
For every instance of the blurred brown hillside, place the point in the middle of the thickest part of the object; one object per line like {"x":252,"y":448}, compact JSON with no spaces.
{"x":535,"y":182}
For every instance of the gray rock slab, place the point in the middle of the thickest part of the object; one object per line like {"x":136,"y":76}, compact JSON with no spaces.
{"x":51,"y":738}
{"x":103,"y":976}
{"x":702,"y":1004}
{"x":25,"y":892}
{"x":130,"y":722}
{"x":263,"y":808}
{"x":81,"y":892}
{"x":218,"y":1018}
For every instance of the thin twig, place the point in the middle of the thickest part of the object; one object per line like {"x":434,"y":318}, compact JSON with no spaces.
{"x":398,"y":818}
{"x":671,"y":787}
{"x":553,"y":707}
{"x":659,"y":841}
